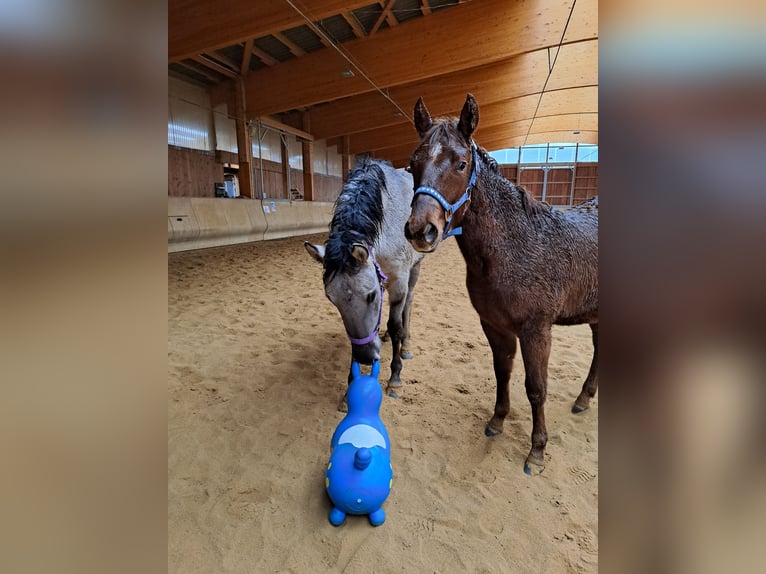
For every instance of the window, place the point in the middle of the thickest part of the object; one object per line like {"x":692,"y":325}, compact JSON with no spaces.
{"x":534,"y":153}
{"x":561,"y":153}
{"x":587,"y":153}
{"x":547,"y":154}
{"x":505,"y":156}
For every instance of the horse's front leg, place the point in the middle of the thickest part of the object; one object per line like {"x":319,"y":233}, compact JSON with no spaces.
{"x":343,"y":404}
{"x":414,"y":275}
{"x":535,"y":349}
{"x":503,"y":347}
{"x":590,"y":386}
{"x":397,"y":297}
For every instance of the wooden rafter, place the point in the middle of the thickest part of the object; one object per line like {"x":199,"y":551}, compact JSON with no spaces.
{"x":197,"y":26}
{"x":577,"y":67}
{"x":245,"y":68}
{"x":183,"y":77}
{"x":202,"y":72}
{"x":354,"y":23}
{"x":385,"y":15}
{"x":286,"y":128}
{"x":294,"y":48}
{"x":264,"y":57}
{"x":223,"y":60}
{"x":213,"y":65}
{"x":316,"y":78}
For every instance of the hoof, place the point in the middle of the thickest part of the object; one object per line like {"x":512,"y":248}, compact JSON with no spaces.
{"x":533,"y":467}
{"x":406,"y":356}
{"x":490,"y":432}
{"x":393,"y":394}
{"x":577,"y":409}
{"x":395,"y":383}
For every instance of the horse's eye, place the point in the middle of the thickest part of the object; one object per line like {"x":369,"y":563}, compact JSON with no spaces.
{"x":371,"y":296}
{"x":461,"y":166}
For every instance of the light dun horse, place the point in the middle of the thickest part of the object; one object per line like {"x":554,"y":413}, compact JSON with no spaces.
{"x":529,"y":266}
{"x":367,"y":251}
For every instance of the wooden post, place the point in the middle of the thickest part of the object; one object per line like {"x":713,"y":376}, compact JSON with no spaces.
{"x":345,"y":157}
{"x":308,"y":163}
{"x":244,"y":143}
{"x":285,"y":153}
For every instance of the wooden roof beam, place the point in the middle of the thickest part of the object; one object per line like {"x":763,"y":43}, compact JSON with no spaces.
{"x":213,"y":65}
{"x":223,"y":60}
{"x":356,"y":27}
{"x":245,"y":68}
{"x":316,"y":77}
{"x":196,"y":26}
{"x":295,"y":50}
{"x":577,"y":66}
{"x":203,"y":72}
{"x":264,"y":57}
{"x":386,"y":14}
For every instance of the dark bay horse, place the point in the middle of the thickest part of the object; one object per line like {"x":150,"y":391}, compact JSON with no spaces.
{"x":365,"y":252}
{"x":529,"y":266}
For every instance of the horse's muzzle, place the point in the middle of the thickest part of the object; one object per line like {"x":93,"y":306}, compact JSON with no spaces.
{"x":423,"y":239}
{"x":368,"y":353}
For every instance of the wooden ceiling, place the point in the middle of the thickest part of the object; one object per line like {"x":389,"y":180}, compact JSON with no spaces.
{"x":294,"y":58}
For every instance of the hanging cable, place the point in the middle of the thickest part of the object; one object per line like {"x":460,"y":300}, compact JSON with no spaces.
{"x":319,"y":32}
{"x":550,"y":71}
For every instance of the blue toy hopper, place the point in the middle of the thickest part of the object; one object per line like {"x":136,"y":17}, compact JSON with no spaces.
{"x":359,"y":474}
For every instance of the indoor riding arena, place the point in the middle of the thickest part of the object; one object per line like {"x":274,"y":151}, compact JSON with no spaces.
{"x":271,"y":108}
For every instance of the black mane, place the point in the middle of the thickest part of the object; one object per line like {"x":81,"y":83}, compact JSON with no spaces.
{"x":357,"y":216}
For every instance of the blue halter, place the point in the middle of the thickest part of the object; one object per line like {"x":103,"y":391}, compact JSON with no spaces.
{"x":451,"y":208}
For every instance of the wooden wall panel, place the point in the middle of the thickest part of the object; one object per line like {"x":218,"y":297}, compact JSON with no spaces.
{"x":272,"y":184}
{"x":558,"y":186}
{"x":192,"y":173}
{"x":586,"y":182}
{"x":532,"y":180}
{"x":327,"y":187}
{"x":510,"y":172}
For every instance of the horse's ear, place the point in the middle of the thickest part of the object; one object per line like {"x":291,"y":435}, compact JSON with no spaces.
{"x":422,"y":118}
{"x":316,"y":251}
{"x":469,"y":117}
{"x":360,"y":253}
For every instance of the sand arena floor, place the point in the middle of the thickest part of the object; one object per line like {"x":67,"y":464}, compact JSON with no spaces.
{"x":257,"y":364}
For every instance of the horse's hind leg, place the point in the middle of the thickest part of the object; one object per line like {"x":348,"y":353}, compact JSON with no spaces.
{"x":535,"y":349}
{"x":414,"y":275}
{"x":503,"y":350}
{"x":590,"y":386}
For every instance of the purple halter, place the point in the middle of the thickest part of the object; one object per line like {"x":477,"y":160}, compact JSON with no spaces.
{"x":381,"y":279}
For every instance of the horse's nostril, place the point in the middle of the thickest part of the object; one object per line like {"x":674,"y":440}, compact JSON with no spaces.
{"x":431,"y":233}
